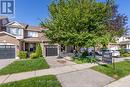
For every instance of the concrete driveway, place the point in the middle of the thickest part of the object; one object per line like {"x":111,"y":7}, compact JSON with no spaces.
{"x":5,"y":62}
{"x":84,"y":78}
{"x":55,"y":62}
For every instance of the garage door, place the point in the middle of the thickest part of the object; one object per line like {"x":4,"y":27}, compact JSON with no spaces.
{"x":7,"y":51}
{"x":51,"y":50}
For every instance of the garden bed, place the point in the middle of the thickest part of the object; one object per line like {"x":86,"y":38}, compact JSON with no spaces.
{"x":81,"y":60}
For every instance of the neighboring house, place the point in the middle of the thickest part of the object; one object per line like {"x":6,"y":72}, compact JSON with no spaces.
{"x":113,"y":46}
{"x":15,"y":37}
{"x":123,"y":41}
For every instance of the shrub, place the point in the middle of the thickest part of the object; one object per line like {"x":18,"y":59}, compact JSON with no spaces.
{"x":122,"y":51}
{"x":22,"y":55}
{"x":38,"y":50}
{"x":85,"y":53}
{"x":33,"y":56}
{"x":80,"y":60}
{"x":126,"y":55}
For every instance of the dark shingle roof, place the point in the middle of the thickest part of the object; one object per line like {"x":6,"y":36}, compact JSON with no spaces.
{"x":35,"y":28}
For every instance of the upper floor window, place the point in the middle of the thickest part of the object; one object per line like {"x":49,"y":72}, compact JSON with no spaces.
{"x":15,"y":31}
{"x":32,"y":34}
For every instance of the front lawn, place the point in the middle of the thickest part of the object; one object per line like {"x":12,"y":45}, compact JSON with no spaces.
{"x":43,"y":81}
{"x":122,"y":69}
{"x":24,"y":66}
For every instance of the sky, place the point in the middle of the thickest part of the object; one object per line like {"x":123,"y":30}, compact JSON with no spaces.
{"x":31,"y":11}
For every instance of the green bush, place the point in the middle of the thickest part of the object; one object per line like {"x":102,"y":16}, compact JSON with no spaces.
{"x":122,"y":51}
{"x":85,"y":53}
{"x":80,"y":60}
{"x":33,"y":56}
{"x":126,"y":55}
{"x":38,"y":50}
{"x":22,"y":55}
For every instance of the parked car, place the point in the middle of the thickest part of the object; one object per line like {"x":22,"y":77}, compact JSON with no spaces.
{"x":115,"y":53}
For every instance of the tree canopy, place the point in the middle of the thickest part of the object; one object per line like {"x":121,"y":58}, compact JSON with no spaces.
{"x":83,"y":23}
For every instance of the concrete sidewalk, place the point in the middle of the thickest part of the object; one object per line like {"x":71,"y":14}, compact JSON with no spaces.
{"x":51,"y":71}
{"x":124,"y":82}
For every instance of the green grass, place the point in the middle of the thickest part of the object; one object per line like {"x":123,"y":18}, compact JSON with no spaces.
{"x":121,"y":69}
{"x":43,"y":81}
{"x":24,"y":66}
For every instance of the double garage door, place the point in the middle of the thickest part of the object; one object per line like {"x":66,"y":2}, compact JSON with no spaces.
{"x":7,"y":51}
{"x":51,"y":50}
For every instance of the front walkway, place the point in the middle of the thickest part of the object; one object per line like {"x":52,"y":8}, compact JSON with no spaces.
{"x":123,"y":82}
{"x":51,"y":71}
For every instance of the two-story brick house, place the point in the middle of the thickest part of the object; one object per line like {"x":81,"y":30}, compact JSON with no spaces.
{"x":15,"y":37}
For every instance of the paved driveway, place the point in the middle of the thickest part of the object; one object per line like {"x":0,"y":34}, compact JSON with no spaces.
{"x":5,"y":62}
{"x":55,"y":62}
{"x":84,"y":78}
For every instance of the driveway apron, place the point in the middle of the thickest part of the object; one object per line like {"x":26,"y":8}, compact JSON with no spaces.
{"x":55,"y":62}
{"x":84,"y":78}
{"x":5,"y":62}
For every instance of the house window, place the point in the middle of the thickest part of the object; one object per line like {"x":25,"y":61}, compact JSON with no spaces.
{"x":15,"y":31}
{"x":32,"y":34}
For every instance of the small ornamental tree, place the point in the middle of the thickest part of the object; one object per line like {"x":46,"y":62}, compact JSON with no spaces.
{"x":38,"y":50}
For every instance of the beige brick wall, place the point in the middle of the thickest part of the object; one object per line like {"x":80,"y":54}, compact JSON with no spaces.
{"x":9,"y":39}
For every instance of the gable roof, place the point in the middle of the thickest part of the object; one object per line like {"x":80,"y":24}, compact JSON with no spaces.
{"x":16,"y":24}
{"x":3,"y":32}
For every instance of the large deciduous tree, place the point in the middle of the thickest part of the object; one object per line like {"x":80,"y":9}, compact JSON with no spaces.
{"x":83,"y":23}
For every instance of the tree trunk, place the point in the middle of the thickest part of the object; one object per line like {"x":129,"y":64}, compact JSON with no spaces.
{"x":94,"y":52}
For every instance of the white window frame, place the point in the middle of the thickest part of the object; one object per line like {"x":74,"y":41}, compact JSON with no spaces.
{"x":32,"y":34}
{"x":16,"y":32}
